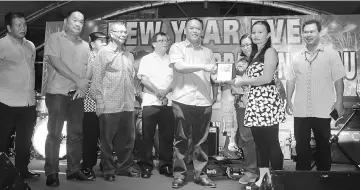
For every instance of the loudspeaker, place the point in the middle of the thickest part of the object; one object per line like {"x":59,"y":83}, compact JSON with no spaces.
{"x":213,"y":141}
{"x":314,"y":180}
{"x":10,"y":178}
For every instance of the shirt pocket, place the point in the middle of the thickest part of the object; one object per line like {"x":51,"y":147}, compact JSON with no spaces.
{"x":82,"y":57}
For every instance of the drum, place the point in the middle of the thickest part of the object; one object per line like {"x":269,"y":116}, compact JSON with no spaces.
{"x":39,"y":138}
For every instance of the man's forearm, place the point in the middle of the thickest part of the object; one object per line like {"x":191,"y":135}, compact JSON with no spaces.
{"x":149,"y":85}
{"x":169,"y":89}
{"x":183,"y":67}
{"x":290,"y":88}
{"x":339,"y":87}
{"x":63,"y":69}
{"x":215,"y":90}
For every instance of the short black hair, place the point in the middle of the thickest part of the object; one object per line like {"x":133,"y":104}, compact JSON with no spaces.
{"x":69,"y":13}
{"x":96,"y":35}
{"x":10,"y":16}
{"x":155,"y":36}
{"x":194,"y":18}
{"x":312,"y":21}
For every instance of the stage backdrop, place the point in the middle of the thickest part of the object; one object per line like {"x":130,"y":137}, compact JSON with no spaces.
{"x":222,"y":34}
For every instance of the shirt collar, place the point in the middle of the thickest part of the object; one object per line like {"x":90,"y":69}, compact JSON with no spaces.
{"x":189,"y":44}
{"x":77,"y":40}
{"x":112,"y":46}
{"x":162,"y":57}
{"x":320,"y":47}
{"x":12,"y":39}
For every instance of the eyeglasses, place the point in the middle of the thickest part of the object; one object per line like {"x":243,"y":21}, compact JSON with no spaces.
{"x":120,"y":32}
{"x":245,"y":45}
{"x":163,"y":41}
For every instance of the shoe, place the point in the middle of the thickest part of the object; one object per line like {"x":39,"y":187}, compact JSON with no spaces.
{"x":248,"y":177}
{"x":128,"y":173}
{"x":109,"y":177}
{"x":79,"y":175}
{"x":30,"y":175}
{"x":89,"y":172}
{"x":166,"y":170}
{"x":146,"y":173}
{"x":178,"y":183}
{"x":266,"y":184}
{"x":52,"y":180}
{"x":205,"y":182}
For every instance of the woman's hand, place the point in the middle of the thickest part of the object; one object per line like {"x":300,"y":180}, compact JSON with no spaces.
{"x":237,"y":82}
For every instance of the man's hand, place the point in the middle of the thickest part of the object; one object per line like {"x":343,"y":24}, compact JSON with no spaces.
{"x":100,"y":109}
{"x":212,"y":68}
{"x":159,"y":95}
{"x":289,"y":108}
{"x":339,"y":108}
{"x":83,"y":84}
{"x":162,"y":94}
{"x":78,"y":94}
{"x":164,"y":101}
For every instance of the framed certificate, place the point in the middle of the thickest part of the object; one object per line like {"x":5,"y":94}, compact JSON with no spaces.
{"x":225,"y":71}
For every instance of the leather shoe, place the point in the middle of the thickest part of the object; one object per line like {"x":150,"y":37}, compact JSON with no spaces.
{"x":146,"y":173}
{"x":79,"y":175}
{"x":89,"y":172}
{"x":30,"y":175}
{"x":166,"y":170}
{"x":109,"y":177}
{"x":205,"y":182}
{"x":128,"y":173}
{"x":52,"y":180}
{"x":178,"y":183}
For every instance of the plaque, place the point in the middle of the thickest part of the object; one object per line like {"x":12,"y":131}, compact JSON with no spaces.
{"x":224,"y":72}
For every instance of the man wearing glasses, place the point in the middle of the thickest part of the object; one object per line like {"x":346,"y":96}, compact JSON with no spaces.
{"x":114,"y":93}
{"x":156,"y":75}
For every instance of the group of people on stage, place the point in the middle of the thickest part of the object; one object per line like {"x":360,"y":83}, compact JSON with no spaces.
{"x":98,"y":88}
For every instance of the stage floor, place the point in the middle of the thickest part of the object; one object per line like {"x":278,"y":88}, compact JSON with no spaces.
{"x":156,"y":182}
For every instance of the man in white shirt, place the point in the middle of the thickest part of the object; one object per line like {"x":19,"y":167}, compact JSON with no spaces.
{"x":193,"y":96}
{"x":17,"y":94}
{"x":157,"y":76}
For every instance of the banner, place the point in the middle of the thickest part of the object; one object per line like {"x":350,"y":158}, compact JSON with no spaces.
{"x":222,"y":34}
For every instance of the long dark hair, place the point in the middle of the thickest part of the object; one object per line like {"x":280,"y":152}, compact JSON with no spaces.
{"x":265,"y":47}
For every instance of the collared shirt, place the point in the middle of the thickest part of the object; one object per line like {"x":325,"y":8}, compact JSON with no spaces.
{"x":191,"y":88}
{"x":113,"y":79}
{"x":73,"y":53}
{"x":159,"y":73}
{"x":89,"y":103}
{"x":315,"y":94}
{"x":17,"y":74}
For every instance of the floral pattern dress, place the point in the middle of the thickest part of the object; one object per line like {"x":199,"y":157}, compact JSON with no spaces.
{"x":265,"y":106}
